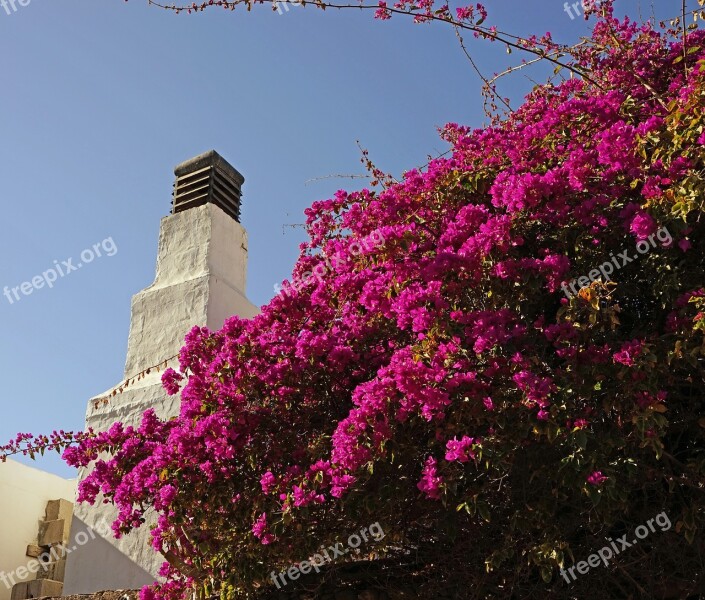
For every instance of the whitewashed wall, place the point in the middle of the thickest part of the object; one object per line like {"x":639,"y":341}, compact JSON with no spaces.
{"x":24,"y":493}
{"x":200,"y":280}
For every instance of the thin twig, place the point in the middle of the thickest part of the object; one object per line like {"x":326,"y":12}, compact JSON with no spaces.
{"x":336,"y":177}
{"x":483,"y":31}
{"x":685,"y":50}
{"x":514,"y":68}
{"x":490,"y":92}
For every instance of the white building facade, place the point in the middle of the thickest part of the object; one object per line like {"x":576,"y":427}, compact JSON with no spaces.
{"x":25,"y":496}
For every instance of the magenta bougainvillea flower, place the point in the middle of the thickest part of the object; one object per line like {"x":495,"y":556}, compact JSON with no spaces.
{"x":431,"y":481}
{"x":596,"y":478}
{"x":433,"y":376}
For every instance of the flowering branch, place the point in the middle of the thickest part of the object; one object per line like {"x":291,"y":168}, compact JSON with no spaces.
{"x":27,"y":444}
{"x":468,"y":18}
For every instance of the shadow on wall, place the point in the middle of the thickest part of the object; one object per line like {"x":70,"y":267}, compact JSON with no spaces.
{"x":85,"y":566}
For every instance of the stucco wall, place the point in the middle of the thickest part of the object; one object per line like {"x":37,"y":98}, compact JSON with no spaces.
{"x":24,"y":493}
{"x":200,"y":280}
{"x":100,"y":565}
{"x":201,"y":276}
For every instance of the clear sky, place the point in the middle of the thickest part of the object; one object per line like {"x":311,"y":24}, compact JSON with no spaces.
{"x":100,"y":99}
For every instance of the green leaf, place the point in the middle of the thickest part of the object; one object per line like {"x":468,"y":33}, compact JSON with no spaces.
{"x":484,"y":511}
{"x":546,"y":574}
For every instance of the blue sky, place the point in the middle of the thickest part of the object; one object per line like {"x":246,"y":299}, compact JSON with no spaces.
{"x":101,"y":99}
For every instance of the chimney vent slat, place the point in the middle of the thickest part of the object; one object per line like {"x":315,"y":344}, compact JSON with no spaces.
{"x":207,"y":178}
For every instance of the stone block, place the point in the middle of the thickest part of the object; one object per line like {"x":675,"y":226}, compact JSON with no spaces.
{"x":55,"y":532}
{"x":20,"y":591}
{"x":35,"y":551}
{"x":41,"y":588}
{"x":59,"y":509}
{"x":55,"y":570}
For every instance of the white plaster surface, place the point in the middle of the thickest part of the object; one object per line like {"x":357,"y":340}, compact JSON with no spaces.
{"x":117,"y":571}
{"x":24,"y":493}
{"x":201,"y":263}
{"x":200,"y":280}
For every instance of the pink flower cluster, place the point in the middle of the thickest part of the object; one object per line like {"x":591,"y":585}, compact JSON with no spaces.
{"x":444,"y":341}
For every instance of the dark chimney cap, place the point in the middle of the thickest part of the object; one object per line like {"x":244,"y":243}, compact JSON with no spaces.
{"x":207,"y":178}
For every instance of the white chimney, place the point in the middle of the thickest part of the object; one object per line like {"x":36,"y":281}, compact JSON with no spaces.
{"x":200,"y":280}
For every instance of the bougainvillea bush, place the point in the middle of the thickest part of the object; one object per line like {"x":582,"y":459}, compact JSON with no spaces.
{"x":443,"y":384}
